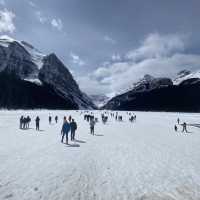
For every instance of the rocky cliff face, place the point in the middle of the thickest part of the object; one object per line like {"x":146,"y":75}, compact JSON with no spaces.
{"x":15,"y":59}
{"x":27,"y":63}
{"x":53,"y":72}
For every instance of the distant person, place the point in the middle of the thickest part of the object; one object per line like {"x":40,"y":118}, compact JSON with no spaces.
{"x":92,"y":124}
{"x":28,"y":119}
{"x":135,"y":118}
{"x":73,"y":126}
{"x":37,"y":122}
{"x":184,"y":127}
{"x":21,"y":122}
{"x":65,"y":130}
{"x":70,"y":118}
{"x":175,"y":128}
{"x":50,"y":119}
{"x":56,"y":119}
{"x":178,"y":120}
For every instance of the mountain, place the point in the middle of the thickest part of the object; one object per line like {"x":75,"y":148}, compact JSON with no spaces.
{"x":186,"y":75}
{"x":161,"y":94}
{"x":27,"y":67}
{"x":99,"y":100}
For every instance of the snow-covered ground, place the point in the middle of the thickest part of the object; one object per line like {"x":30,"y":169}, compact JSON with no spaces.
{"x":142,"y":160}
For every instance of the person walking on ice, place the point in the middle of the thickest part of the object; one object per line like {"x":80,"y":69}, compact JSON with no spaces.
{"x":175,"y":128}
{"x":92,"y":124}
{"x":56,"y":119}
{"x":50,"y":119}
{"x":65,"y":130}
{"x":21,"y":122}
{"x":184,"y":127}
{"x":73,"y":127}
{"x":37,"y":122}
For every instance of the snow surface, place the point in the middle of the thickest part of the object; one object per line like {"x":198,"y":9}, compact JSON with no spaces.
{"x":142,"y":160}
{"x":34,"y":80}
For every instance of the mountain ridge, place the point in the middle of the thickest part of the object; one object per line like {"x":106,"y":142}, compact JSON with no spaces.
{"x":27,"y":63}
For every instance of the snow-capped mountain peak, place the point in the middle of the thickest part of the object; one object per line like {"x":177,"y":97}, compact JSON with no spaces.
{"x":6,"y":38}
{"x":185,"y":75}
{"x":36,"y":55}
{"x":29,"y":64}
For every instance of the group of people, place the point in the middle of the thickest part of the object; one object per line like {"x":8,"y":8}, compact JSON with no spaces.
{"x":184,"y":126}
{"x":24,"y":122}
{"x":50,"y":119}
{"x":92,"y":120}
{"x":68,"y":125}
{"x":89,"y":117}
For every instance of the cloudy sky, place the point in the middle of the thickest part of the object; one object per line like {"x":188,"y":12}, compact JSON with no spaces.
{"x":109,"y":44}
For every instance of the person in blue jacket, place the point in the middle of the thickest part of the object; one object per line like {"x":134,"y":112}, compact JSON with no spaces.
{"x":65,"y":130}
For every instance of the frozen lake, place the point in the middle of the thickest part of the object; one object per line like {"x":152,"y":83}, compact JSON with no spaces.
{"x":142,"y":160}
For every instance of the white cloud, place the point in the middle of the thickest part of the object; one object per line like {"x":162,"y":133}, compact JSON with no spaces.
{"x":6,"y":21}
{"x":57,"y":23}
{"x":76,"y":59}
{"x":155,"y":46}
{"x":32,"y":4}
{"x":43,"y":19}
{"x":109,"y":39}
{"x":116,"y":57}
{"x":40,"y":16}
{"x":158,"y":55}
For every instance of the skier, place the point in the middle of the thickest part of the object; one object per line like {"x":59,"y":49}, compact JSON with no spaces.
{"x":92,"y":123}
{"x":65,"y":130}
{"x":73,"y":126}
{"x":49,"y":119}
{"x":178,"y":120}
{"x":175,"y":128}
{"x":37,"y":121}
{"x":184,"y":127}
{"x":56,"y":119}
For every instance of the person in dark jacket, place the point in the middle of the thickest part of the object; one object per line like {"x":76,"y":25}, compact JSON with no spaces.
{"x":21,"y":122}
{"x":37,"y":122}
{"x":175,"y":128}
{"x":28,"y":119}
{"x":50,"y":119}
{"x":184,"y":127}
{"x":73,"y":126}
{"x":65,"y":130}
{"x":70,"y":118}
{"x":56,"y":119}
